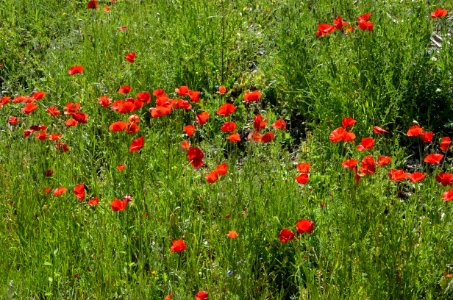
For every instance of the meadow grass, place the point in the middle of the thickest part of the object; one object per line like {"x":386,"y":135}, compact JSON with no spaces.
{"x":377,"y":239}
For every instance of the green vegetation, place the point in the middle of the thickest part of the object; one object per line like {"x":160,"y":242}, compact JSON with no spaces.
{"x":377,"y":239}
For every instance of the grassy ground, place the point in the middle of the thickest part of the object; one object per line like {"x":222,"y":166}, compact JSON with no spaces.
{"x":378,"y":239}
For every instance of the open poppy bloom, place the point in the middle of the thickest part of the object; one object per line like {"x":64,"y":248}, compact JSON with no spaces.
{"x":212,"y":176}
{"x":29,"y":107}
{"x":62,"y":147}
{"x":137,"y":144}
{"x":226,"y":109}
{"x":438,"y":13}
{"x":303,"y":167}
{"x":447,"y":196}
{"x":235,"y":137}
{"x":143,"y":97}
{"x":254,"y":96}
{"x":350,"y":163}
{"x":398,"y":175}
{"x":348,"y":122}
{"x":13,"y":120}
{"x":38,"y":95}
{"x":118,"y":204}
{"x":120,"y":167}
{"x":59,"y":191}
{"x":339,"y":23}
{"x":92,"y":4}
{"x":417,"y":176}
{"x":279,"y":124}
{"x":125,"y":89}
{"x":93,"y":201}
{"x":368,"y":165}
{"x":75,"y":70}
{"x":79,"y":191}
{"x":340,"y":134}
{"x":325,"y":29}
{"x":195,"y":156}
{"x":202,"y":118}
{"x":185,"y":144}
{"x":415,"y":130}
{"x":228,"y":127}
{"x":445,"y":143}
{"x":178,"y":245}
{"x":183,"y":90}
{"x":302,"y":178}
{"x":118,"y":126}
{"x":378,"y":130}
{"x":54,"y":137}
{"x":71,"y":108}
{"x":194,"y":95}
{"x":367,"y":143}
{"x":285,"y":235}
{"x":222,"y":90}
{"x":433,"y":158}
{"x":53,"y":111}
{"x":189,"y":130}
{"x":383,"y":160}
{"x":130,"y":57}
{"x":222,"y":169}
{"x":305,"y":226}
{"x":201,"y":295}
{"x":267,"y":137}
{"x":427,"y":137}
{"x":445,"y":178}
{"x":80,"y":117}
{"x":232,"y":234}
{"x":104,"y":101}
{"x":259,"y":123}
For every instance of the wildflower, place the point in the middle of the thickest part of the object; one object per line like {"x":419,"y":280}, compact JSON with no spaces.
{"x":235,"y":137}
{"x":137,"y":144}
{"x":303,"y":167}
{"x":445,"y":143}
{"x":118,"y":204}
{"x":267,"y":137}
{"x":226,"y":109}
{"x":201,"y":295}
{"x":194,"y":95}
{"x":79,"y":191}
{"x":182,"y":90}
{"x":252,"y":96}
{"x":92,"y":4}
{"x":427,"y":137}
{"x":202,"y":118}
{"x":279,"y":124}
{"x":75,"y":70}
{"x":195,"y":156}
{"x":13,"y":120}
{"x":444,"y":178}
{"x":222,"y":90}
{"x":120,"y":167}
{"x":125,"y":89}
{"x":59,"y":191}
{"x":397,"y":175}
{"x":378,"y":130}
{"x":143,"y":97}
{"x":350,"y":163}
{"x":130,"y":57}
{"x":189,"y":130}
{"x":325,"y":29}
{"x":285,"y":235}
{"x":339,"y":23}
{"x":93,"y":201}
{"x":118,"y":126}
{"x":53,"y":111}
{"x":232,"y":234}
{"x":178,"y":245}
{"x":29,"y":107}
{"x":433,"y":158}
{"x":259,"y":123}
{"x":447,"y":196}
{"x":38,"y":95}
{"x":383,"y":160}
{"x":212,"y":177}
{"x":367,"y":143}
{"x":222,"y":169}
{"x":417,"y":176}
{"x":228,"y":127}
{"x":104,"y":101}
{"x":348,"y":122}
{"x":305,"y":226}
{"x":302,"y":178}
{"x":415,"y":130}
{"x":438,"y":13}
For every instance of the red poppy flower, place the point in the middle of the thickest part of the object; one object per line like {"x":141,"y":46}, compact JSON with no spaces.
{"x":367,"y":143}
{"x":92,"y":4}
{"x":194,"y":95}
{"x":71,"y":108}
{"x":378,"y":130}
{"x":4,"y":100}
{"x":133,"y":119}
{"x":417,"y":176}
{"x":226,"y":109}
{"x":130,"y":57}
{"x":38,"y":95}
{"x":132,"y":128}
{"x":159,"y":93}
{"x":445,"y":143}
{"x":13,"y":120}
{"x":59,"y":191}
{"x":29,"y":107}
{"x":42,"y":135}
{"x":228,"y":127}
{"x":340,"y":134}
{"x":222,"y":90}
{"x":348,"y":122}
{"x":415,"y":130}
{"x":433,"y":158}
{"x":183,"y":90}
{"x":279,"y":124}
{"x":125,"y":89}
{"x":120,"y":167}
{"x":325,"y":29}
{"x":383,"y":160}
{"x":235,"y":137}
{"x":118,"y":204}
{"x":267,"y":137}
{"x":118,"y":126}
{"x":28,"y":132}
{"x":303,"y":167}
{"x":189,"y":130}
{"x":47,"y":190}
{"x":62,"y":147}
{"x":201,"y":295}
{"x":254,"y":96}
{"x":427,"y":137}
{"x":212,"y":176}
{"x":75,"y":70}
{"x":444,"y":178}
{"x":55,"y":137}
{"x":285,"y":235}
{"x":195,"y":156}
{"x":104,"y":101}
{"x":159,"y":111}
{"x":305,"y":226}
{"x":222,"y":169}
{"x":259,"y":123}
{"x":79,"y":191}
{"x":80,"y":117}
{"x":339,"y":23}
{"x":366,"y":25}
{"x":255,"y":136}
{"x":71,"y":122}
{"x":397,"y":175}
{"x":122,"y":28}
{"x":350,"y":163}
{"x":178,"y":245}
{"x":185,"y":145}
{"x":368,"y":165}
{"x":53,"y":111}
{"x":232,"y":234}
{"x":438,"y":13}
{"x":302,"y":178}
{"x":143,"y":97}
{"x":447,"y":196}
{"x":49,"y":173}
{"x":106,"y":8}
{"x":137,"y":144}
{"x":93,"y":202}
{"x":202,"y":118}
